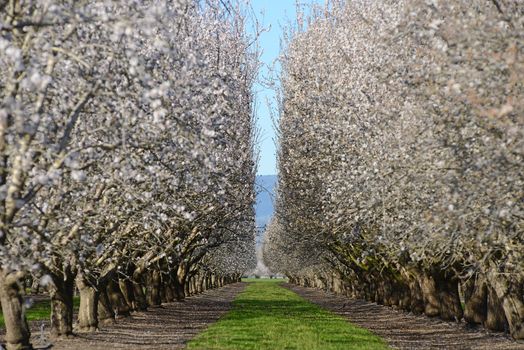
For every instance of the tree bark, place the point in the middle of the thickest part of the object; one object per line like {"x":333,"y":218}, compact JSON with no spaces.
{"x":180,"y":282}
{"x":88,"y":311}
{"x":138,"y":290}
{"x":62,"y":304}
{"x":153,"y":288}
{"x":180,"y":293}
{"x":476,"y":300}
{"x":169,"y":293}
{"x":192,"y":286}
{"x":106,"y":313}
{"x":416,"y":297}
{"x":207,"y":284}
{"x":201,"y":282}
{"x":17,"y":330}
{"x":116,"y":298}
{"x":450,"y":308}
{"x":495,"y":318}
{"x":429,"y":292}
{"x":186,"y":288}
{"x":35,"y":286}
{"x":126,"y":287}
{"x":509,"y":290}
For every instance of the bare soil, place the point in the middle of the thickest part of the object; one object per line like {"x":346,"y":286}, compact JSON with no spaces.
{"x":168,"y":327}
{"x":403,"y":330}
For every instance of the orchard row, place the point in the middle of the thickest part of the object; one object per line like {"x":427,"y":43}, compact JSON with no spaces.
{"x":127,"y":157}
{"x":401,"y":164}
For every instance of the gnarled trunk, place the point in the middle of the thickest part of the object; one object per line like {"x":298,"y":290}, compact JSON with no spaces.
{"x":450,"y":308}
{"x":126,"y":287}
{"x":416,"y":298}
{"x":201,"y":283}
{"x":430,"y":294}
{"x":180,"y":282}
{"x":186,"y":288}
{"x":116,"y":298}
{"x":192,"y":286}
{"x":179,"y":289}
{"x":88,"y":311}
{"x":154,"y":283}
{"x":138,"y":291}
{"x":62,"y":304}
{"x":168,"y":294}
{"x":476,"y":300}
{"x":106,"y":313}
{"x":509,"y":290}
{"x":495,"y":318}
{"x":17,"y":329}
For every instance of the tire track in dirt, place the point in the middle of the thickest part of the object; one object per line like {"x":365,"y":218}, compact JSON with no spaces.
{"x":402,"y":330}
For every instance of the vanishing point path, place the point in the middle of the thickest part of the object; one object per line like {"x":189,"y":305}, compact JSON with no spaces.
{"x":269,"y":314}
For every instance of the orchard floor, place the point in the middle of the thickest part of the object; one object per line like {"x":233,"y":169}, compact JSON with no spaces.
{"x":168,"y":327}
{"x":402,"y":330}
{"x":272,"y":317}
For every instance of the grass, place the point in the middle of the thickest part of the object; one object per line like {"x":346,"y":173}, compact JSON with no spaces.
{"x":251,"y":279}
{"x":268,"y":316}
{"x":41,"y":310}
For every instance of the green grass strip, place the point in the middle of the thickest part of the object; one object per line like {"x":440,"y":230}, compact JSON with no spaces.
{"x":268,"y":316}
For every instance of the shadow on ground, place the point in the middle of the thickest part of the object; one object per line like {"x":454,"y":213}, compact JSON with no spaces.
{"x":407,"y":331}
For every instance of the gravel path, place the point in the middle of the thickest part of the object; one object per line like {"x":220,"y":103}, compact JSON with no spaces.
{"x":168,"y":327}
{"x":406,"y":331}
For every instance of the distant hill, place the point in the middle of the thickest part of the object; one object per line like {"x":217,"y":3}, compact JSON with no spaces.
{"x":264,"y":207}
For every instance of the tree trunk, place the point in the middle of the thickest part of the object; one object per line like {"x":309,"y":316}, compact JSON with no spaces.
{"x":201,"y":283}
{"x":192,"y":286}
{"x":509,"y":290}
{"x":399,"y":295}
{"x":180,"y":282}
{"x":414,"y":292}
{"x":207,"y":283}
{"x":138,"y":290}
{"x":126,"y":287}
{"x":153,"y":288}
{"x":106,"y":313}
{"x":495,"y":319}
{"x":117,"y":300}
{"x":88,"y":311}
{"x":186,"y":288}
{"x":179,"y":289}
{"x":476,"y":300}
{"x":62,"y":304}
{"x":169,"y":293}
{"x":404,"y":302}
{"x":391,"y":291}
{"x":431,"y":298}
{"x":17,"y":329}
{"x":450,"y":308}
{"x":35,"y":286}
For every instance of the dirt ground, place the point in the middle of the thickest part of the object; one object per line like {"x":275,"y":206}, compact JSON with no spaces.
{"x":174,"y":324}
{"x":168,"y":327}
{"x":406,"y":331}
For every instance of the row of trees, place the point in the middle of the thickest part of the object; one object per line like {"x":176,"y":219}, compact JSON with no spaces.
{"x":402,"y":157}
{"x":127,"y":161}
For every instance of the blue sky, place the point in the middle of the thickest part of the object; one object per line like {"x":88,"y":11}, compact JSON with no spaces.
{"x":274,"y":14}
